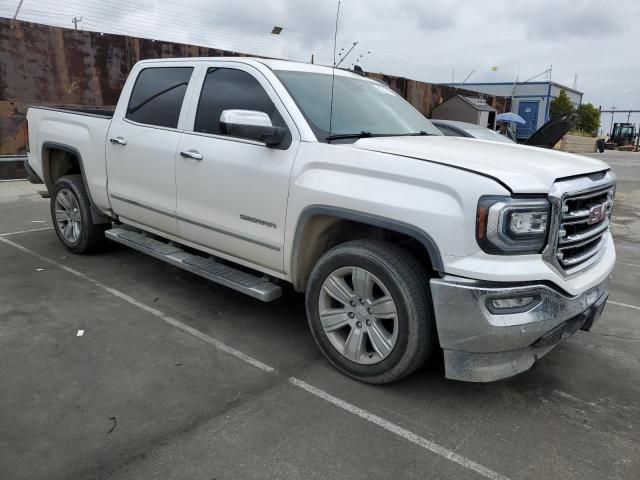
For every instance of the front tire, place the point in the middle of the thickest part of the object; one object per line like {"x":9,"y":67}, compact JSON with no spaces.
{"x":369,"y":310}
{"x":71,"y":215}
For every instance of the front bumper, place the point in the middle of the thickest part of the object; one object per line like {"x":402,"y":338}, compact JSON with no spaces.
{"x":481,"y":346}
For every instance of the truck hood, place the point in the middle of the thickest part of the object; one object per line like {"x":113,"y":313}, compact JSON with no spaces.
{"x":522,"y":169}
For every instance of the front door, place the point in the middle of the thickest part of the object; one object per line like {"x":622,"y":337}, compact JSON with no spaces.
{"x":141,"y":149}
{"x":232,"y":192}
{"x":529,"y":112}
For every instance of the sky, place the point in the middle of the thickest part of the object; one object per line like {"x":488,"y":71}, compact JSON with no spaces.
{"x":580,"y":43}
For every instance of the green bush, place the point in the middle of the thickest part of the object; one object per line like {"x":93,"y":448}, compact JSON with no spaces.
{"x":588,"y":115}
{"x":588,"y":119}
{"x":560,"y":105}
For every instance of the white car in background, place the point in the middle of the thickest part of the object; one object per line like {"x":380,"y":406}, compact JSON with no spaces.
{"x":545,"y":137}
{"x":454,"y":128}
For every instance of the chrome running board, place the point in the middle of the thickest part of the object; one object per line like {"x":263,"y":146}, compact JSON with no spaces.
{"x":207,"y":267}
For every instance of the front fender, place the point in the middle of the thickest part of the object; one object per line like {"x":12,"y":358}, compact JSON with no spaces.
{"x":432,"y":203}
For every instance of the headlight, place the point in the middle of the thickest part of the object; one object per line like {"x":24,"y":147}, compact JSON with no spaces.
{"x":508,"y":226}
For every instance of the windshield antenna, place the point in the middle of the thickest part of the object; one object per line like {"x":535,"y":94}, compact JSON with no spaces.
{"x":333,"y":71}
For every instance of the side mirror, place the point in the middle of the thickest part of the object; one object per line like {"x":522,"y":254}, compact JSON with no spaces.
{"x":252,"y":125}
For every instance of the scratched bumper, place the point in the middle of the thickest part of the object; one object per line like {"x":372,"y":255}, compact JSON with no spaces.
{"x":481,"y":344}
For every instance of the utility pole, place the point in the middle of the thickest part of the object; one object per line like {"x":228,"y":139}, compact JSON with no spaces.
{"x":467,"y":77}
{"x":613,"y":111}
{"x":75,"y":21}
{"x":15,"y":15}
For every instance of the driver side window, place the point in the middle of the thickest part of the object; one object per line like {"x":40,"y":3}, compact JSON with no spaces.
{"x":228,"y":89}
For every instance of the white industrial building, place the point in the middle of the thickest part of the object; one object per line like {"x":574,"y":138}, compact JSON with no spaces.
{"x":530,"y":99}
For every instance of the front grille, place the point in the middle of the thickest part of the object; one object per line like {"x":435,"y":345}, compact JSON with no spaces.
{"x":584,"y":219}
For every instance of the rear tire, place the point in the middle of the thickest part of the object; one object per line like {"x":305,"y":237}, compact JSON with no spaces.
{"x":369,"y":310}
{"x":72,"y":219}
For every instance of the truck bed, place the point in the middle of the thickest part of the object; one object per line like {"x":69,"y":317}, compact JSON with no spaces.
{"x":81,"y":130}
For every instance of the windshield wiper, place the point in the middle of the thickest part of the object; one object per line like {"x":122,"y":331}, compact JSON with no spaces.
{"x":341,"y":136}
{"x":365,"y":134}
{"x":421,"y":133}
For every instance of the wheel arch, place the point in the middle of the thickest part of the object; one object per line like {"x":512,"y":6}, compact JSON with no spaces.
{"x":323,"y":224}
{"x":60,"y":159}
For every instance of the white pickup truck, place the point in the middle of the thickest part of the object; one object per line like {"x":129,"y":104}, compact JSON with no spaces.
{"x":255,"y":172}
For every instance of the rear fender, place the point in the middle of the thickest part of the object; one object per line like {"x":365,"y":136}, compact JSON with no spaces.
{"x":50,"y":172}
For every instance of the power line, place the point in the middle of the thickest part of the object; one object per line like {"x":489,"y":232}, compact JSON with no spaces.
{"x":200,"y":28}
{"x":203,"y":36}
{"x":200,"y":18}
{"x":198,"y":25}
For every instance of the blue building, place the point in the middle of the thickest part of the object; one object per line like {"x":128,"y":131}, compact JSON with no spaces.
{"x":530,"y":99}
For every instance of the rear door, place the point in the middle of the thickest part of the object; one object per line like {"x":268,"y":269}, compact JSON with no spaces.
{"x":232,"y":198}
{"x":141,"y":147}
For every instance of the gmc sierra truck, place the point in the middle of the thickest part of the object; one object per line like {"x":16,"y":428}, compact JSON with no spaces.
{"x":255,"y":172}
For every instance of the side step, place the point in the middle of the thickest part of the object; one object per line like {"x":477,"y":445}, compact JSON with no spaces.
{"x":256,"y":287}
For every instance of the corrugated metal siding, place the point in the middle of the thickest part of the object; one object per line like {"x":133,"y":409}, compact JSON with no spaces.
{"x":45,"y":65}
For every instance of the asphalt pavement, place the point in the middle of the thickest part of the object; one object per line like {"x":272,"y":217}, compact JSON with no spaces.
{"x":118,"y":366}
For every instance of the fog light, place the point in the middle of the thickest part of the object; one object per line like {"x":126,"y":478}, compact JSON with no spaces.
{"x":502,"y":306}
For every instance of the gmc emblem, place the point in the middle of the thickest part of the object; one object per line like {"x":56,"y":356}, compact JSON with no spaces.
{"x":597,"y":213}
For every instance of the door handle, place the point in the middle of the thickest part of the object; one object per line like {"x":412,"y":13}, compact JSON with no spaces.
{"x":191,"y":154}
{"x":118,"y":140}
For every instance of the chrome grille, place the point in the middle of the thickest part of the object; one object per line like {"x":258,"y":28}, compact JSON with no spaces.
{"x":583,"y":218}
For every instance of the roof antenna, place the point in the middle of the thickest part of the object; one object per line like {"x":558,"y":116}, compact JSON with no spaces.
{"x":333,"y":71}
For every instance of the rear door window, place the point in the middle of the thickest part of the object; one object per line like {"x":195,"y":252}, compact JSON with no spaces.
{"x":228,"y":89}
{"x":157,"y":96}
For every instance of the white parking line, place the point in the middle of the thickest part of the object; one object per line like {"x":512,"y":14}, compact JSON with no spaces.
{"x":626,"y":305}
{"x":628,"y":264}
{"x":359,"y":412}
{"x":25,"y":231}
{"x":170,"y":320}
{"x":401,"y":432}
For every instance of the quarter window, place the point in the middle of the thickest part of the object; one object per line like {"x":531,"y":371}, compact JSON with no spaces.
{"x":227,"y":89}
{"x":157,"y":96}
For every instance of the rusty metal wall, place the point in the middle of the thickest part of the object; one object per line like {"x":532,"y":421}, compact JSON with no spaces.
{"x":45,"y":65}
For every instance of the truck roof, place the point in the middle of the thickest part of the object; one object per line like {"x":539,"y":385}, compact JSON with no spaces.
{"x":269,"y":63}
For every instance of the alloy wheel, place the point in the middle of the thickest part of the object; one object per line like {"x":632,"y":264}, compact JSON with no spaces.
{"x":358,"y":315}
{"x":68,"y":217}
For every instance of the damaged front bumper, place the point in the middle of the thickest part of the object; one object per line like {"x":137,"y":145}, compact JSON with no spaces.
{"x":490,"y":331}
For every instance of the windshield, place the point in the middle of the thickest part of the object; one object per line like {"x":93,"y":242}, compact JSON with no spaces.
{"x":359,"y":105}
{"x":488,"y":134}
